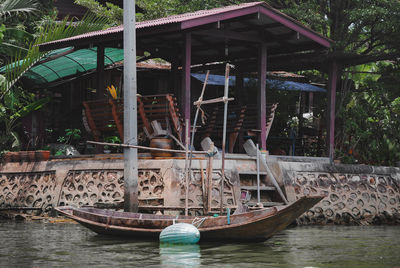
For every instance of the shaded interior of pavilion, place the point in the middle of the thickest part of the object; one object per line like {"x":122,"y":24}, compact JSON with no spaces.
{"x":253,"y":38}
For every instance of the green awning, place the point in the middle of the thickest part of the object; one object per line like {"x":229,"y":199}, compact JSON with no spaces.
{"x":80,"y":61}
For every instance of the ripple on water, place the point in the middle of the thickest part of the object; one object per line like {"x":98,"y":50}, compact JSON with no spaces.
{"x":65,"y":244}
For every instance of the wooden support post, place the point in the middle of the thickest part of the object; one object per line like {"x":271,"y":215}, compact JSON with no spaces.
{"x":261,"y":95}
{"x":131,"y":201}
{"x":100,"y":72}
{"x":187,"y":171}
{"x":310,"y":101}
{"x":186,"y":62}
{"x":332,"y":81}
{"x":175,"y":77}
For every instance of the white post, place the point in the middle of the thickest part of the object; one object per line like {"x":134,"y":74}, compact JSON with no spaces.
{"x":131,"y":202}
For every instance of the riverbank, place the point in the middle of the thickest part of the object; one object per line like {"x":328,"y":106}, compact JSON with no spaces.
{"x":355,"y":194}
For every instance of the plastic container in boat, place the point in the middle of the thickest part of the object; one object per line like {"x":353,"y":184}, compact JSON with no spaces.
{"x":180,"y":233}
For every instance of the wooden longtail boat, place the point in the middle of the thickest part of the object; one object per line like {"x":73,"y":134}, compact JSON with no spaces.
{"x":256,"y":225}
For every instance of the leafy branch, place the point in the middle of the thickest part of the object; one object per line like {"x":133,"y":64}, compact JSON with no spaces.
{"x":20,"y":64}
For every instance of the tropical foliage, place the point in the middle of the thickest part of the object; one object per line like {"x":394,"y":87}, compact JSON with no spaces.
{"x":112,"y":12}
{"x":13,"y":37}
{"x":15,"y":102}
{"x":366,"y":27}
{"x":367,"y":129}
{"x":51,"y":32}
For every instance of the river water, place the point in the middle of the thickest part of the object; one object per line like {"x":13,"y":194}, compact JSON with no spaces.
{"x":38,"y":244}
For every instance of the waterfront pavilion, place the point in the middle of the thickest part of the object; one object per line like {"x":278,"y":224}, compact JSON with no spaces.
{"x":253,"y":37}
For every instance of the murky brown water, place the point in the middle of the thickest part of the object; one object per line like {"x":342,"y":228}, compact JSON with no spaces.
{"x":70,"y":245}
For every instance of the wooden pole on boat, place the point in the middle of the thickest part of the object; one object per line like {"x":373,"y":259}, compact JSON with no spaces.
{"x":187,"y":167}
{"x":203,"y":187}
{"x":199,"y":101}
{"x":225,"y":99}
{"x":131,"y":202}
{"x":209,"y":177}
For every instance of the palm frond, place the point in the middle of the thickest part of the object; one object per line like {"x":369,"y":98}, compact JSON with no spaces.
{"x":10,"y":49}
{"x":15,"y":7}
{"x":19,"y":35}
{"x":23,"y":61}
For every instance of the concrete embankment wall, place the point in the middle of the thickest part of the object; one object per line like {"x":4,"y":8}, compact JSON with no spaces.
{"x":80,"y":182}
{"x":355,"y":194}
{"x":47,"y":184}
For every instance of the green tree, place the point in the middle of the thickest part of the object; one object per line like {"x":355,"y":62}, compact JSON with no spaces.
{"x":13,"y":37}
{"x":368,"y":132}
{"x":152,"y":9}
{"x":363,"y":30}
{"x":112,"y":12}
{"x":12,"y":8}
{"x":16,"y":102}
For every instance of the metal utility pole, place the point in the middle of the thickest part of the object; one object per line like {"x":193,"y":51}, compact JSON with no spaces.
{"x":131,"y":202}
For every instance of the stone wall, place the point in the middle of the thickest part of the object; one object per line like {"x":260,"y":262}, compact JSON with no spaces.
{"x":84,"y":182}
{"x":30,"y":189}
{"x":355,"y":194}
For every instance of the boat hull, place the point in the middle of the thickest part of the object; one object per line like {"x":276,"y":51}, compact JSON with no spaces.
{"x":256,"y":225}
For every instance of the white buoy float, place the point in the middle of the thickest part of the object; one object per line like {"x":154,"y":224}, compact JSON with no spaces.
{"x":180,"y":233}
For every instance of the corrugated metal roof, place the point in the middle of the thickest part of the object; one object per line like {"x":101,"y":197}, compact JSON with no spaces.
{"x":160,"y":21}
{"x":194,"y":15}
{"x":182,"y":18}
{"x":112,"y":30}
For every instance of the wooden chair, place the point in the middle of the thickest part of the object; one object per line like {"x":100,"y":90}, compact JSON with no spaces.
{"x":99,"y":118}
{"x":214,"y":125}
{"x":117,"y":109}
{"x":106,"y":116}
{"x":241,"y":123}
{"x":249,"y":126}
{"x":161,"y":108}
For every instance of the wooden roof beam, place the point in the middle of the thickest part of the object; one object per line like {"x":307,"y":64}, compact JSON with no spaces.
{"x":309,"y":33}
{"x":201,"y":40}
{"x":228,"y":34}
{"x":263,"y":32}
